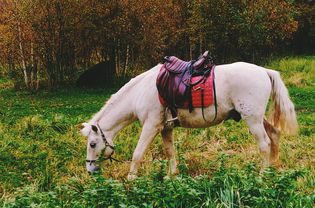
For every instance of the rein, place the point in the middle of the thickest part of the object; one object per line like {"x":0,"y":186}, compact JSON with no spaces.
{"x":106,"y":145}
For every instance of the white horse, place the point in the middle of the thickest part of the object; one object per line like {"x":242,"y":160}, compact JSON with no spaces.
{"x":241,"y":88}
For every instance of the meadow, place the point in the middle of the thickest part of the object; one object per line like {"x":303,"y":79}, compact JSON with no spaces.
{"x":42,"y":155}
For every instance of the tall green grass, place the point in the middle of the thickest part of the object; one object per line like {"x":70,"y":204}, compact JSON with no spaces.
{"x":227,"y":187}
{"x":42,"y":155}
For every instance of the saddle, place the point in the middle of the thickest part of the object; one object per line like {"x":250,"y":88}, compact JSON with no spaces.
{"x":177,"y":78}
{"x":177,"y":66}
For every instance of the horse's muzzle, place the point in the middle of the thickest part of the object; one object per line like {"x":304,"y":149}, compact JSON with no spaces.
{"x":91,"y":167}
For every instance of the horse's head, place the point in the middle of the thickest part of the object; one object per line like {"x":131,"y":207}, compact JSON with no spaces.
{"x":98,"y":146}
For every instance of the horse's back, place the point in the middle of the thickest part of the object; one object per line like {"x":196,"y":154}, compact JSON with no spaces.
{"x":241,"y":77}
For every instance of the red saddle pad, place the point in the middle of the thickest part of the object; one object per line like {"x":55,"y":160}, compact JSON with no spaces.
{"x":208,"y":95}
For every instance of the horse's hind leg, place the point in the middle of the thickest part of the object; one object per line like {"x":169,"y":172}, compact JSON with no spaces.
{"x":256,"y":127}
{"x":274,"y":135}
{"x":167,"y":136}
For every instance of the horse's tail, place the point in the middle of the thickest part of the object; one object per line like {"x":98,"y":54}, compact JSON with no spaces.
{"x":282,"y":113}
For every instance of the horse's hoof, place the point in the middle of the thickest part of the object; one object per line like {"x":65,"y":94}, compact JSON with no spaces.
{"x":131,"y":177}
{"x":277,"y":164}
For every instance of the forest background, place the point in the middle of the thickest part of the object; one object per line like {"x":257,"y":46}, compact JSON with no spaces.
{"x":47,"y":44}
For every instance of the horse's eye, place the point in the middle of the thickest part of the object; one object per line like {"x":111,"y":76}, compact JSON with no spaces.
{"x":93,"y":145}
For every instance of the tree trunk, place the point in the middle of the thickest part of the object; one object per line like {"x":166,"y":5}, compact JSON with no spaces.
{"x":32,"y":67}
{"x":60,"y":65}
{"x":11,"y":63}
{"x":26,"y":80}
{"x":190,"y":50}
{"x":37,"y":78}
{"x":200,"y":45}
{"x":116,"y":61}
{"x":127,"y":60}
{"x":117,"y":58}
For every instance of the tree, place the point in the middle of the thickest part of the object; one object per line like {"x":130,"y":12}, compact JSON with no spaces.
{"x":51,"y":40}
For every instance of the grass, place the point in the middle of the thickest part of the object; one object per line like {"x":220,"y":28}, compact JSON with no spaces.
{"x":297,"y":71}
{"x":42,"y":155}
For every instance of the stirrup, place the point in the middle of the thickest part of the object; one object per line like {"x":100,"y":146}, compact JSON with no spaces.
{"x":170,"y":123}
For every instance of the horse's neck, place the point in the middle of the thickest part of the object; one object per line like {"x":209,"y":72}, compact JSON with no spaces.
{"x":116,"y":116}
{"x":120,"y":110}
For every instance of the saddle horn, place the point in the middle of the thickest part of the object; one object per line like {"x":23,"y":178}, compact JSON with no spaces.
{"x":201,"y":60}
{"x":205,"y":54}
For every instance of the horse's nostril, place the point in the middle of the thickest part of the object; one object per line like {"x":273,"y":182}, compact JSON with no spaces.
{"x":93,"y":145}
{"x":96,"y":168}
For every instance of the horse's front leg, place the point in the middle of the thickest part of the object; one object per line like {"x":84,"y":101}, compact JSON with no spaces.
{"x":167,"y":136}
{"x":148,"y":133}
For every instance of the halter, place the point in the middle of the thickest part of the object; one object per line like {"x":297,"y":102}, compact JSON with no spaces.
{"x":106,"y":145}
{"x":104,"y":139}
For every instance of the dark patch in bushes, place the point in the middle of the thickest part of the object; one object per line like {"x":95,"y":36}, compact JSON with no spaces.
{"x":100,"y":75}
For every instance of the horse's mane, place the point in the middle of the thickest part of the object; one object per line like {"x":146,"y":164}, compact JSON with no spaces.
{"x":113,"y":98}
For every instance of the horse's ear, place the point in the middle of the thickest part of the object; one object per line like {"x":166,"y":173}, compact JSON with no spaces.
{"x":83,"y":125}
{"x":94,"y":128}
{"x":86,"y":129}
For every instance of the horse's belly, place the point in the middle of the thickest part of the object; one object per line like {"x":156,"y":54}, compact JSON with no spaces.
{"x":196,"y":120}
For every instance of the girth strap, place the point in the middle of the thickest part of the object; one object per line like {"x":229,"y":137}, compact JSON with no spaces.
{"x":215,"y":98}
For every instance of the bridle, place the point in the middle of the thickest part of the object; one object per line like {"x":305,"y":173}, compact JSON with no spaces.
{"x":110,"y":157}
{"x":105,"y":140}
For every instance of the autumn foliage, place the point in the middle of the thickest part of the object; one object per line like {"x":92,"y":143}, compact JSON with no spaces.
{"x":47,"y":42}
